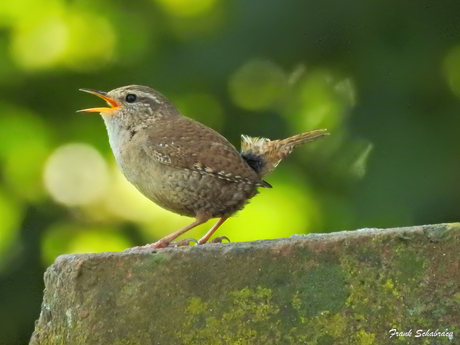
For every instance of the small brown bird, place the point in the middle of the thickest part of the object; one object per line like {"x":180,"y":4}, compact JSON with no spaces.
{"x":182,"y":165}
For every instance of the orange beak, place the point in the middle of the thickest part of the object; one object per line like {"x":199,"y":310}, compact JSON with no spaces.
{"x":114,"y":105}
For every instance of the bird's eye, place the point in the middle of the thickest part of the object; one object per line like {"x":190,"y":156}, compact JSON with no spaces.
{"x":130,"y":98}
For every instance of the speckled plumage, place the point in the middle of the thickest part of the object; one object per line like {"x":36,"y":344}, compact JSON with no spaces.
{"x":213,"y":180}
{"x":182,"y":165}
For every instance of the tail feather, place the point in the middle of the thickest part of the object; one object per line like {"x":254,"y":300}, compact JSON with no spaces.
{"x":264,"y":155}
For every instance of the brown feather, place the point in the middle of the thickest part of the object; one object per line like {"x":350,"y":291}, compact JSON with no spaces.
{"x":264,"y":155}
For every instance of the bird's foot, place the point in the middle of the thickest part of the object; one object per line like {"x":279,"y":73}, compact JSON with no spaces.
{"x":220,"y":239}
{"x":181,"y":243}
{"x":164,"y":244}
{"x":215,"y":240}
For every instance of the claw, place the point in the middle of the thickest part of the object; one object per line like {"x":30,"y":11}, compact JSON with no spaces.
{"x":219,"y":239}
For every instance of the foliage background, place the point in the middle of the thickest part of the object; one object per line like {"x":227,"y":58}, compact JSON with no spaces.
{"x":383,"y":77}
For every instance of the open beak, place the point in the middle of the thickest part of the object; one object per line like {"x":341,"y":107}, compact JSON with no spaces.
{"x":110,"y":101}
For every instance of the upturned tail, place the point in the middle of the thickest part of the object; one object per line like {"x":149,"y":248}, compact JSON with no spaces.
{"x":263,"y":155}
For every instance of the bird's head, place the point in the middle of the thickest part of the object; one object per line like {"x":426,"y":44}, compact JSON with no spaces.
{"x":130,"y":102}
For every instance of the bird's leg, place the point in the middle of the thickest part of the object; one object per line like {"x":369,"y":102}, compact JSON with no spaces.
{"x":165,"y":241}
{"x":216,"y":226}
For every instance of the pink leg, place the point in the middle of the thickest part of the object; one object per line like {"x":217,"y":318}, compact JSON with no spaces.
{"x":216,"y":226}
{"x":164,"y":242}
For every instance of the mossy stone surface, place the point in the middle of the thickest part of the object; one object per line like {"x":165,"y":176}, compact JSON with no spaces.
{"x":342,"y":288}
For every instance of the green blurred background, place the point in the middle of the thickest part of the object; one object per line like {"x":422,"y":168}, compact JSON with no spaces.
{"x":383,"y":77}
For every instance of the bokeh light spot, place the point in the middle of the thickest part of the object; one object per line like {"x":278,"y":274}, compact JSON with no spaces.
{"x":186,"y":8}
{"x":257,"y":85}
{"x":345,"y":89}
{"x":23,"y":151}
{"x":359,"y":167}
{"x":321,"y":101}
{"x":76,"y":174}
{"x":98,"y":240}
{"x":63,"y":238}
{"x":39,"y":43}
{"x":61,"y":36}
{"x":91,"y":41}
{"x":451,"y":69}
{"x":23,"y":171}
{"x":278,"y":212}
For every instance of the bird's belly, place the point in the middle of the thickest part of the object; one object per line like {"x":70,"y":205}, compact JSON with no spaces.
{"x":189,"y":192}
